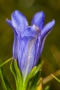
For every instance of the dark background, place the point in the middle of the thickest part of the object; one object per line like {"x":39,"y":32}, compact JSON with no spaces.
{"x":51,"y":52}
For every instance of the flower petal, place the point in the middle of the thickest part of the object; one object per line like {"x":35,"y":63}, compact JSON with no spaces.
{"x":48,"y":27}
{"x":10,"y":24}
{"x":26,"y":54}
{"x":26,"y":49}
{"x":41,"y":40}
{"x":15,"y":47}
{"x":31,"y":31}
{"x":19,"y":21}
{"x":38,"y":19}
{"x":14,"y":51}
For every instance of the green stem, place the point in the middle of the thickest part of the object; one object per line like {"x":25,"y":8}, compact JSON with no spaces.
{"x":55,"y":78}
{"x":21,"y":87}
{"x":5,"y":62}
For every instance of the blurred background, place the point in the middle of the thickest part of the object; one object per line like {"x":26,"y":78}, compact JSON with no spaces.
{"x":51,"y":52}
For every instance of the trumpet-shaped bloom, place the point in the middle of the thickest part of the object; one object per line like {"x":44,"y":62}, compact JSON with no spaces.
{"x":28,"y":40}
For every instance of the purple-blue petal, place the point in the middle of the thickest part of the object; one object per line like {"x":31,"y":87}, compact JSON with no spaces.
{"x":38,"y":19}
{"x":19,"y":21}
{"x":47,"y":28}
{"x":14,"y":51}
{"x":26,"y":54}
{"x":31,"y":31}
{"x":41,"y":39}
{"x":10,"y":24}
{"x":27,"y":49}
{"x":37,"y":48}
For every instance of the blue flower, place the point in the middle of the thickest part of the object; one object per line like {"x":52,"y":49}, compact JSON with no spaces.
{"x":28,"y":40}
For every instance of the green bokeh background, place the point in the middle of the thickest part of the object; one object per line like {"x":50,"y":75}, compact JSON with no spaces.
{"x":51,"y":52}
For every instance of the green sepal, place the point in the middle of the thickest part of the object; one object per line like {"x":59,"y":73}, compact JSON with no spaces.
{"x":21,"y":83}
{"x":5,"y":83}
{"x":33,"y":73}
{"x":47,"y":88}
{"x":17,"y":75}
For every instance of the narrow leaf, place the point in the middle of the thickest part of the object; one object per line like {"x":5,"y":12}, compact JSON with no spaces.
{"x":47,"y":88}
{"x":5,"y":82}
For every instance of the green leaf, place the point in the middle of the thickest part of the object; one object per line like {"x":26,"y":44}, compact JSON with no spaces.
{"x":47,"y":88}
{"x":17,"y":75}
{"x":39,"y":68}
{"x":19,"y":79}
{"x":5,"y":82}
{"x":12,"y":70}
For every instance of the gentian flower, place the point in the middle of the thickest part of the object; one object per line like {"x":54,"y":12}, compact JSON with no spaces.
{"x":28,"y":40}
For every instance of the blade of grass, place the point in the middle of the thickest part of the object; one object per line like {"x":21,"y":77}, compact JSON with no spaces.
{"x":6,"y":62}
{"x":55,"y":78}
